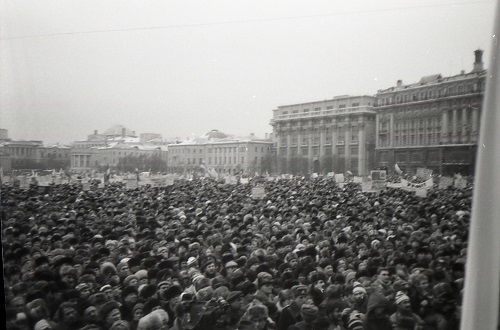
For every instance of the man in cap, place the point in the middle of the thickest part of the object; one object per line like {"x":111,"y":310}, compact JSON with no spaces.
{"x":265,"y":288}
{"x":291,"y":314}
{"x":359,"y":299}
{"x":404,"y":318}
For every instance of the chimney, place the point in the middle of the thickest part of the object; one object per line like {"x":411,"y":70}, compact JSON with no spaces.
{"x":95,"y":132}
{"x":133,"y":133}
{"x":399,"y":83}
{"x":266,"y":136}
{"x":123,"y":132}
{"x":478,"y":63}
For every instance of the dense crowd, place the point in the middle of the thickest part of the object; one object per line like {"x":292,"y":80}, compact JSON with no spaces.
{"x":201,"y":254}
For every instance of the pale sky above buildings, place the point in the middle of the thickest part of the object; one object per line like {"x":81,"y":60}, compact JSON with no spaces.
{"x":186,"y":67}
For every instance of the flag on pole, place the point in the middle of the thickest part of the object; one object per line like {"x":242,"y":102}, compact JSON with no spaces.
{"x":397,"y":169}
{"x":1,"y":175}
{"x":481,"y":300}
{"x":107,"y":175}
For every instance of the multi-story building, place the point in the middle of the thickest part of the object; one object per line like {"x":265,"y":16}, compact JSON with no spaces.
{"x":224,"y":154}
{"x":101,"y":151}
{"x":33,"y":154}
{"x":433,"y":123}
{"x":336,"y":135}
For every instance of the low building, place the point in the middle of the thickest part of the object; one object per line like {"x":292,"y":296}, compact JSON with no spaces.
{"x":222,"y":153}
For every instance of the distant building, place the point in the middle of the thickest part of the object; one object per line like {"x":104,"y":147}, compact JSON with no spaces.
{"x":4,"y":134}
{"x":335,"y":135}
{"x":222,"y":153}
{"x":433,"y":123}
{"x":34,"y":155}
{"x":101,"y":151}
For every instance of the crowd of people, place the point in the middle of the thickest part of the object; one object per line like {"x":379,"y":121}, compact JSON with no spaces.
{"x":201,"y":254}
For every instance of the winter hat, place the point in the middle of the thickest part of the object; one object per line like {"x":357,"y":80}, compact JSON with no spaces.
{"x":221,"y":291}
{"x":141,"y":274}
{"x":201,"y":282}
{"x":137,"y":306}
{"x":233,"y":296}
{"x":129,"y":290}
{"x":299,"y":290}
{"x":400,"y":297}
{"x":128,"y":279}
{"x":355,"y":322}
{"x":205,"y":294}
{"x":192,"y":262}
{"x":107,"y":308}
{"x":309,"y":312}
{"x":148,"y":291}
{"x":43,"y":325}
{"x":173,"y":291}
{"x":154,"y":320}
{"x":150,"y":304}
{"x":358,"y":289}
{"x":120,"y":325}
{"x":264,"y":278}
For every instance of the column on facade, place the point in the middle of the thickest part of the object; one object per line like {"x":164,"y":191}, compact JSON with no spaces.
{"x":322,"y":138}
{"x":465,"y":130}
{"x":348,"y":137}
{"x":444,"y":126}
{"x":334,"y":141}
{"x":454,"y":126}
{"x":288,"y":141}
{"x":474,"y":124}
{"x":391,"y":129}
{"x":377,"y":131}
{"x":362,"y":159}
{"x":309,"y":133}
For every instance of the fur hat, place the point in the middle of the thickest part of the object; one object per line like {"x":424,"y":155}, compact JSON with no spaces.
{"x":107,"y":308}
{"x":154,"y":320}
{"x":264,"y":278}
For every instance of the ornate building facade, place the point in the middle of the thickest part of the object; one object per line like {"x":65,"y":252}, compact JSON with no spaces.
{"x":433,"y":123}
{"x":336,"y":135}
{"x":222,"y":153}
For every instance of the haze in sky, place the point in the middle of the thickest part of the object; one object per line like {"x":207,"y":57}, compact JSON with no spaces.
{"x":183,"y":68}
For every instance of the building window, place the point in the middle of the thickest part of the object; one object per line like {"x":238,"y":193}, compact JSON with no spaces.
{"x":306,"y":110}
{"x":354,"y":133}
{"x":330,"y":107}
{"x":317,"y":109}
{"x":341,"y":134}
{"x":355,"y":104}
{"x":341,"y":106}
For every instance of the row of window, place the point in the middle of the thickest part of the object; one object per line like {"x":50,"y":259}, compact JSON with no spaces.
{"x":317,"y":109}
{"x":213,"y":161}
{"x":431,"y":93}
{"x":218,"y":150}
{"x":340,"y":152}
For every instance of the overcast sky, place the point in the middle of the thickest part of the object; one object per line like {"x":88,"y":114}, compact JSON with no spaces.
{"x":186,"y":67}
